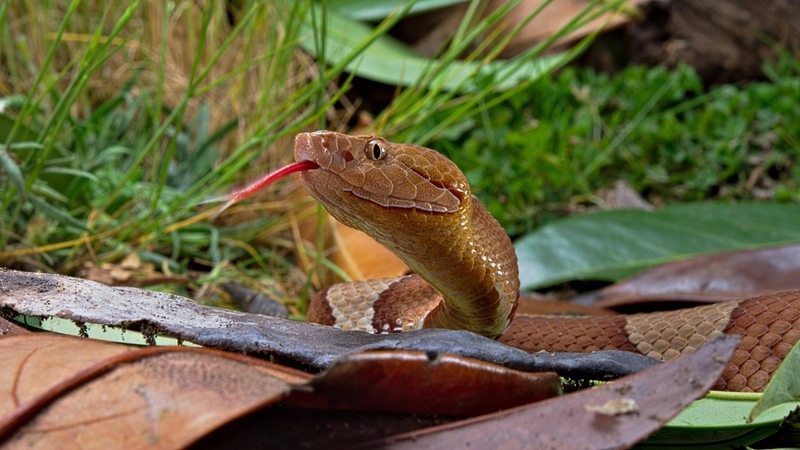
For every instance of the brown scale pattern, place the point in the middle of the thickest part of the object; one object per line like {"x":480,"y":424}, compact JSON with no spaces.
{"x":349,"y":305}
{"x":418,"y":204}
{"x":568,"y":333}
{"x":769,"y":326}
{"x":387,"y":305}
{"x":668,"y":334}
{"x":402,"y":307}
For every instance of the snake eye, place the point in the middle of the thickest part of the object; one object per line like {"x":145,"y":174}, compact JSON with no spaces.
{"x":375,"y":149}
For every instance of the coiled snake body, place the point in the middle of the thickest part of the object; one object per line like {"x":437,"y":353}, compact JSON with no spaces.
{"x":418,"y":203}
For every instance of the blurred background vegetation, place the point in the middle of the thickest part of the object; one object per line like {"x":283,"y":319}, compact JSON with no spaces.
{"x":119,"y":119}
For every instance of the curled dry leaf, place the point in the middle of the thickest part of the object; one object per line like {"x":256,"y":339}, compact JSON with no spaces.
{"x":734,"y":275}
{"x":430,"y":383}
{"x":63,"y":391}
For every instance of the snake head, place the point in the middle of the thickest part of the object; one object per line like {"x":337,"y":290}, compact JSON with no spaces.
{"x":383,"y":173}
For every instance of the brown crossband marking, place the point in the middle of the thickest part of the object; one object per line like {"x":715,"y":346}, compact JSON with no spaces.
{"x":402,"y":306}
{"x":770,"y":327}
{"x":349,"y":305}
{"x":666,"y":335}
{"x":387,"y":305}
{"x":320,"y":310}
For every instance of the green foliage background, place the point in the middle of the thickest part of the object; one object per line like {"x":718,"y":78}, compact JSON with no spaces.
{"x":661,"y":131}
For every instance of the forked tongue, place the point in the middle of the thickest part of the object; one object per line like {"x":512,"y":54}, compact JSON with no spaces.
{"x":241,"y":194}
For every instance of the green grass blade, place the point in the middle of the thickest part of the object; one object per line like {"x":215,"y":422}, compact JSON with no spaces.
{"x":12,"y":170}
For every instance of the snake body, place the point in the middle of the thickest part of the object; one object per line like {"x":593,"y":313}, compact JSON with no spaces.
{"x":418,"y":203}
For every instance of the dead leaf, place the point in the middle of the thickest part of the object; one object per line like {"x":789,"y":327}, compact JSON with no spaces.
{"x":291,"y":428}
{"x":360,"y":256}
{"x":62,"y":391}
{"x":734,"y":275}
{"x":552,"y":17}
{"x":529,"y":305}
{"x":129,"y":272}
{"x":564,"y":422}
{"x":614,"y":407}
{"x":426,"y":383}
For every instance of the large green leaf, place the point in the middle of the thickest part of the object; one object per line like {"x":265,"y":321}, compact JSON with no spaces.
{"x":729,"y":419}
{"x":719,"y":421}
{"x":387,"y":60}
{"x":614,"y":244}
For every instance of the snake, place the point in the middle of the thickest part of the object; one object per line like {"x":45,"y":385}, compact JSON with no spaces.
{"x":418,"y":204}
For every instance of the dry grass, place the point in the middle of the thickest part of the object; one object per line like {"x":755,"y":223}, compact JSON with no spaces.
{"x":160,"y":48}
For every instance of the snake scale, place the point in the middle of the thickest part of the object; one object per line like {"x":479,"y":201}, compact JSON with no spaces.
{"x":417,"y":203}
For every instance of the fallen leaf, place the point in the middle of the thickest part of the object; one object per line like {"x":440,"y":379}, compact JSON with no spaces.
{"x":292,"y":428}
{"x":362,"y":256}
{"x":61,"y":391}
{"x":733,"y":275}
{"x":427,"y":383}
{"x":129,"y":272}
{"x":718,"y":420}
{"x":533,"y":306}
{"x":614,"y":407}
{"x":253,"y":301}
{"x":564,"y":422}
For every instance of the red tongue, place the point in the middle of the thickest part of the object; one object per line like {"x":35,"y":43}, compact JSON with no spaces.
{"x":241,"y":194}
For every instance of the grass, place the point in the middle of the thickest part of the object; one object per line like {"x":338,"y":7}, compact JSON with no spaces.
{"x":552,"y":147}
{"x":110,"y":139}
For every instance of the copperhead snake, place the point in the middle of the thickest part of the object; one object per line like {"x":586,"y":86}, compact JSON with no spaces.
{"x":418,"y":203}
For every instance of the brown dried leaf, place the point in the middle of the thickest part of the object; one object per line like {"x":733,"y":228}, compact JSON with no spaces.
{"x":426,"y":383}
{"x":571,"y":421}
{"x":734,"y":275}
{"x":529,"y":305}
{"x":129,"y":272}
{"x":62,"y":391}
{"x":293,"y":428}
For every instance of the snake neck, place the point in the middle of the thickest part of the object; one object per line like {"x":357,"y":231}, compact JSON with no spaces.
{"x":473,"y":265}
